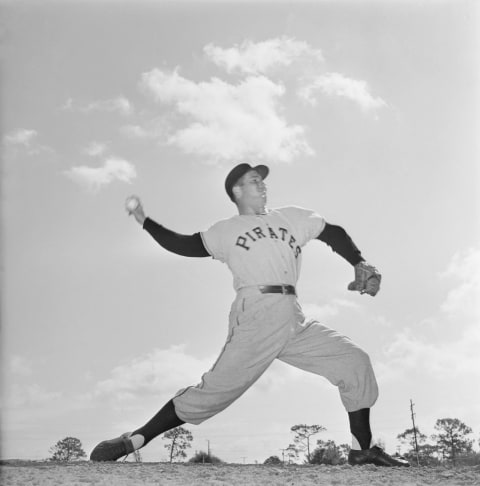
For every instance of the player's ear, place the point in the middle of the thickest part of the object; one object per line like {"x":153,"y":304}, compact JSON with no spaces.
{"x":237,"y":191}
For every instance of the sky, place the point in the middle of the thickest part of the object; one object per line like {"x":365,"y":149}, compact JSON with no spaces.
{"x":367,"y":112}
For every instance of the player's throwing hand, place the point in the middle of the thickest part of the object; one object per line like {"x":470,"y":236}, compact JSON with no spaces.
{"x":134,"y":206}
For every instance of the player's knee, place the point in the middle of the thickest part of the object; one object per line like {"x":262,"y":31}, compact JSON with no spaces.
{"x":362,"y":362}
{"x":365,"y":369}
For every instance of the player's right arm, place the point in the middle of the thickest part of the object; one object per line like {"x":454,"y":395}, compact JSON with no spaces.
{"x":184,"y":245}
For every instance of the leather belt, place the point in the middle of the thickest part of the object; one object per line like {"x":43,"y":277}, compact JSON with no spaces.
{"x":277,"y":289}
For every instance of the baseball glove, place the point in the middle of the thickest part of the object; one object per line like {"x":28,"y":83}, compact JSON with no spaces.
{"x":367,"y":279}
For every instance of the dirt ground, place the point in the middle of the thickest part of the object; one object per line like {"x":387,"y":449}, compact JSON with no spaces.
{"x":25,"y":473}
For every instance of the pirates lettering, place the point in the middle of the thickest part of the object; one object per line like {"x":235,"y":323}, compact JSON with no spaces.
{"x":248,"y":237}
{"x":258,"y":231}
{"x":241,"y":241}
{"x":284,"y":232}
{"x":272,"y":233}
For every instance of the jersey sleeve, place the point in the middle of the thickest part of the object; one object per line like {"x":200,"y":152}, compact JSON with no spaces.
{"x":184,"y":245}
{"x":213,"y":241}
{"x":308,"y":224}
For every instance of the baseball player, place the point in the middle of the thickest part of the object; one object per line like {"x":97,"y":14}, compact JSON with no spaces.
{"x":263,"y":249}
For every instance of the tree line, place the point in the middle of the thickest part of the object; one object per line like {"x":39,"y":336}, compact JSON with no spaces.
{"x":450,"y":444}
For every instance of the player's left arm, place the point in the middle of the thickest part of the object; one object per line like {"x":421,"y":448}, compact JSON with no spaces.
{"x":340,"y":242}
{"x":367,"y":278}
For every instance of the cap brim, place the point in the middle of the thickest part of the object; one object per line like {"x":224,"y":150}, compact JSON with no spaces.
{"x":263,"y":170}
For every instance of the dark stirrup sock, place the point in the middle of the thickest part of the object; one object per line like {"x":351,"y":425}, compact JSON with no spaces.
{"x":163,"y":421}
{"x":360,"y":427}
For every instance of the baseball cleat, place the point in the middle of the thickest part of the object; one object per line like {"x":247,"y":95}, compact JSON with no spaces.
{"x":111,"y":450}
{"x":376,"y":456}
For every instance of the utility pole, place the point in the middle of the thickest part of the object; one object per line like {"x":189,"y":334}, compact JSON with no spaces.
{"x":243,"y":457}
{"x":283,"y":456}
{"x":208,"y":443}
{"x":414,"y":431}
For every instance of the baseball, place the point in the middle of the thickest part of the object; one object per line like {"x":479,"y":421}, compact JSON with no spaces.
{"x":132,"y":203}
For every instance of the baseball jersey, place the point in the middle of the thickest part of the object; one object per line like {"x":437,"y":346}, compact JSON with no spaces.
{"x":264,"y":249}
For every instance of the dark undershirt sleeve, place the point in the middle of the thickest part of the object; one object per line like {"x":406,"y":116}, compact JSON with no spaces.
{"x":184,"y":245}
{"x":339,"y":241}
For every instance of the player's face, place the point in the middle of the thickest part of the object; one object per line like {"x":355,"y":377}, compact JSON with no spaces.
{"x":253,"y":187}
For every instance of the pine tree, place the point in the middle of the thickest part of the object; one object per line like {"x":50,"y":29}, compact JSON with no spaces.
{"x":68,"y":449}
{"x":180,"y":439}
{"x":451,"y":438}
{"x":303,"y":433}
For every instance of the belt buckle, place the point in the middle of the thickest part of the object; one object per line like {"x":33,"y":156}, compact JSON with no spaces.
{"x":284,"y":290}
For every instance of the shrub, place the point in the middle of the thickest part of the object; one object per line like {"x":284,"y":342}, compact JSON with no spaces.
{"x":204,"y":457}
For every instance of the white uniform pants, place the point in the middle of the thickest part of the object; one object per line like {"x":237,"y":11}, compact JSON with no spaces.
{"x":265,"y":327}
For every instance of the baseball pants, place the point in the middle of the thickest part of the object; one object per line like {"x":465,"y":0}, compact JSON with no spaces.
{"x":265,"y":327}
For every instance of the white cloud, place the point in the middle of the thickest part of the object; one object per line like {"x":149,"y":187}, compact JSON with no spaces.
{"x":158,"y":128}
{"x":23,"y":141}
{"x":120,"y":104}
{"x":464,"y":300}
{"x":325,"y":311}
{"x":320,"y":312}
{"x":95,"y":149}
{"x":335,"y":84}
{"x":17,"y":396}
{"x":19,"y":366}
{"x":258,"y":58}
{"x":409,"y":352}
{"x":22,"y":136}
{"x":93,"y":178}
{"x":163,"y":371}
{"x":228,"y":121}
{"x":135,"y":131}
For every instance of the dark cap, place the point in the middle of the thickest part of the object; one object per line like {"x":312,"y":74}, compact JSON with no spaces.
{"x":239,"y":171}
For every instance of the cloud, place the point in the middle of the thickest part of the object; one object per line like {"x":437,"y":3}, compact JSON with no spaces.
{"x":258,"y":58}
{"x":95,"y":149}
{"x":335,"y":84}
{"x":464,"y":299}
{"x":136,"y":131}
{"x":93,"y":178}
{"x":226,"y":121}
{"x":158,"y":128}
{"x":410,"y":352}
{"x":120,"y":104}
{"x":19,"y":366}
{"x":17,"y":396}
{"x":163,"y":371}
{"x":324,"y":312}
{"x":23,"y":141}
{"x":22,"y":136}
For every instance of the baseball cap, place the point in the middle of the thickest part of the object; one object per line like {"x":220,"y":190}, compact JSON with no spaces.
{"x":239,"y":171}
